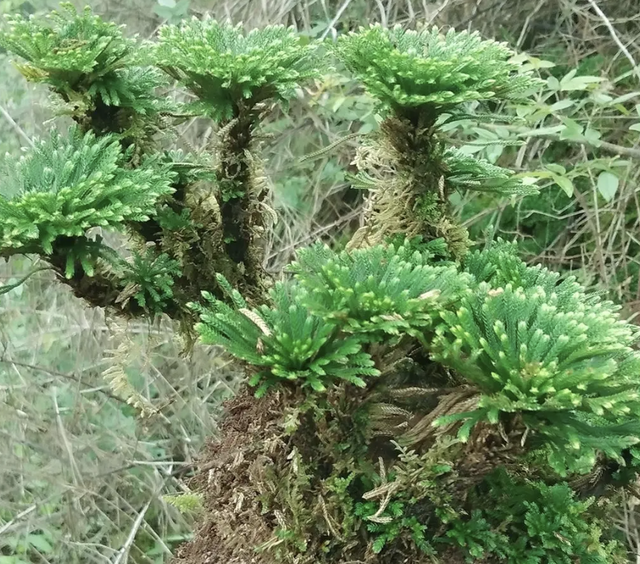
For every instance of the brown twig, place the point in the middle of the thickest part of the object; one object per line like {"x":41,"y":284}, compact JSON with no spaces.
{"x":15,"y":126}
{"x":614,"y":36}
{"x":59,"y":375}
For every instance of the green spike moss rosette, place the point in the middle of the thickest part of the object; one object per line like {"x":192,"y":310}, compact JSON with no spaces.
{"x":227,"y":69}
{"x":90,"y":64}
{"x":425,"y":389}
{"x":416,"y":77}
{"x":65,"y":186}
{"x":410,"y":69}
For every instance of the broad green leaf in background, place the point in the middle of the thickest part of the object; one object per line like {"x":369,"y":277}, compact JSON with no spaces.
{"x":171,"y":10}
{"x":551,"y":130}
{"x":565,"y":183}
{"x":40,"y":543}
{"x":553,"y":83}
{"x":625,"y":98}
{"x":561,"y":105}
{"x":572,"y":131}
{"x":571,"y":82}
{"x":608,"y":185}
{"x":593,"y":136}
{"x":555,"y":167}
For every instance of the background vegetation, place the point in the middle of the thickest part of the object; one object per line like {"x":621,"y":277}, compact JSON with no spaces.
{"x":100,"y":421}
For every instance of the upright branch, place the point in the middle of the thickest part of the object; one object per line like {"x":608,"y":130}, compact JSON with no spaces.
{"x":236,"y":77}
{"x":96,"y":72}
{"x":209,"y":217}
{"x":421,"y":80}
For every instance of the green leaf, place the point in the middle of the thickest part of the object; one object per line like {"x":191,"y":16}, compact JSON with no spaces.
{"x":378,"y":545}
{"x":593,"y":136}
{"x":553,"y":83}
{"x":12,"y":560}
{"x":601,"y":98}
{"x":13,"y":285}
{"x":608,"y":185}
{"x":635,"y":127}
{"x":538,"y":63}
{"x":572,"y":131}
{"x":562,"y":105}
{"x":565,"y":183}
{"x":571,"y":82}
{"x":317,"y":385}
{"x":40,"y":543}
{"x":557,"y":168}
{"x":625,"y":98}
{"x":551,"y":130}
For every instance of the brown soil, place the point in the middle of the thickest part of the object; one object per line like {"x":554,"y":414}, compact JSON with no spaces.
{"x":239,"y":474}
{"x":230,"y":479}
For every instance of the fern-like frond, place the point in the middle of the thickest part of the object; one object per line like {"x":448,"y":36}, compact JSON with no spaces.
{"x":85,"y":60}
{"x":225,"y":68}
{"x":65,"y":46}
{"x":467,"y":172}
{"x":134,"y":88}
{"x":381,"y":289}
{"x":555,"y":357}
{"x":284,"y":341}
{"x":66,"y":185}
{"x":149,"y":278}
{"x":408,"y":69}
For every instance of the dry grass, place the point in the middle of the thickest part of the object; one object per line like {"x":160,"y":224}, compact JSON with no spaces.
{"x":78,"y":462}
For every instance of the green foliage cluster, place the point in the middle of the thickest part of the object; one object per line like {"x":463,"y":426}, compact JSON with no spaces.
{"x":149,"y":278}
{"x":475,"y":362}
{"x":88,"y":62}
{"x":68,"y":184}
{"x":376,"y":292}
{"x":513,"y":521}
{"x":186,"y":502}
{"x":316,"y":327}
{"x":567,"y":367}
{"x":228,"y":69}
{"x":470,"y":173}
{"x":425,"y":82}
{"x":405,"y":68}
{"x":392,"y":524}
{"x":180,"y":211}
{"x":285,"y":340}
{"x":529,"y":353}
{"x":531,"y":522}
{"x":529,"y":343}
{"x":69,"y":45}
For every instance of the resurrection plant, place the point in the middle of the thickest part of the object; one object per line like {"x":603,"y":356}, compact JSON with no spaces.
{"x":408,"y":399}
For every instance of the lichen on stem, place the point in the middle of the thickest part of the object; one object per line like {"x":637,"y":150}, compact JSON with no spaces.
{"x":409,"y":193}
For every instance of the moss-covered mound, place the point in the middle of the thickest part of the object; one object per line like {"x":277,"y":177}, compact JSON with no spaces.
{"x":421,"y":412}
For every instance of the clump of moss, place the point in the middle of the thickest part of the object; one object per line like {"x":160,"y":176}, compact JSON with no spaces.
{"x":479,"y":437}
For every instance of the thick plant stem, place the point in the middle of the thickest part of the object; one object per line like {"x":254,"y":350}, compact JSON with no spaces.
{"x":242,"y":193}
{"x":105,"y":287}
{"x":410,"y":197}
